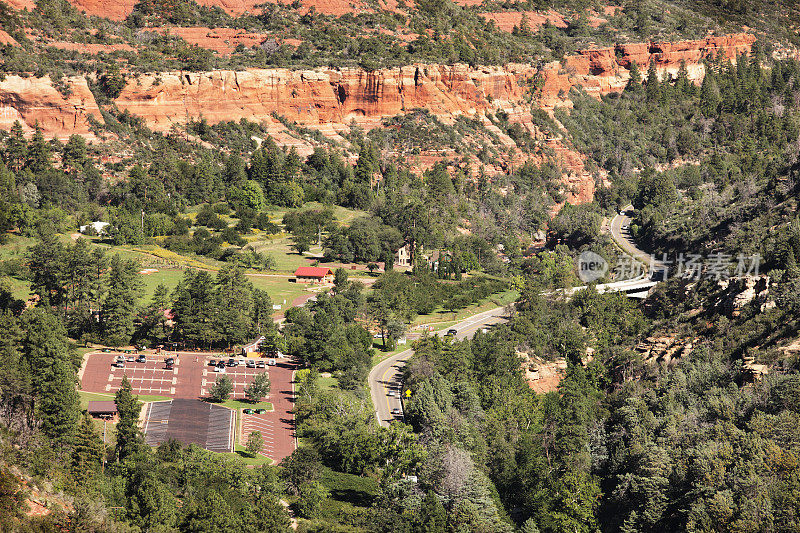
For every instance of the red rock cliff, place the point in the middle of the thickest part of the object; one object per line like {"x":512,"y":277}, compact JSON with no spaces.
{"x":316,"y":97}
{"x":604,"y":70}
{"x":32,"y":100}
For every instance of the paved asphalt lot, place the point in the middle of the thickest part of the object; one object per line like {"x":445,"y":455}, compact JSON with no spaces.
{"x":191,"y":377}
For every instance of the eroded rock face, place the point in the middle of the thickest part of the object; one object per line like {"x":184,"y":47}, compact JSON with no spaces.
{"x":330,"y":100}
{"x":110,"y":9}
{"x":32,"y":100}
{"x":320,"y":96}
{"x":604,"y":70}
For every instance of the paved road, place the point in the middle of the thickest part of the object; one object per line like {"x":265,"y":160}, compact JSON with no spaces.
{"x":385,"y":376}
{"x":620,"y":232}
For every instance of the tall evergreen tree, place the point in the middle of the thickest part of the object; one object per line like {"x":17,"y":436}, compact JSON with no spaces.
{"x":119,"y":307}
{"x":58,"y":405}
{"x":39,"y":152}
{"x":129,"y":437}
{"x":652,"y":90}
{"x":15,"y":152}
{"x":87,"y":453}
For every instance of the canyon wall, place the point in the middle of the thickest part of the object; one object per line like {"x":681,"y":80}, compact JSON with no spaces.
{"x":330,"y":100}
{"x":315,"y":97}
{"x":36,"y":100}
{"x":604,"y":70}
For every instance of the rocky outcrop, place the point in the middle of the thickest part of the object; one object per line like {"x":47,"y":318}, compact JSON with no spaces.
{"x":331,"y":100}
{"x":5,"y":38}
{"x":604,"y":70}
{"x":111,"y":9}
{"x":321,"y":96}
{"x":36,"y":100}
{"x":665,"y":349}
{"x":736,"y":293}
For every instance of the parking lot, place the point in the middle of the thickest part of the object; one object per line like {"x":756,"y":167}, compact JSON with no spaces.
{"x":148,"y":378}
{"x":192,"y":377}
{"x":265,"y":423}
{"x":240,"y":376}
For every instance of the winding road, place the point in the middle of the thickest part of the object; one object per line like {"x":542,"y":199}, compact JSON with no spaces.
{"x":385,"y":378}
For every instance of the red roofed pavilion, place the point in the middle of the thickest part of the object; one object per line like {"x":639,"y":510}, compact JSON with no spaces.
{"x":314,"y":274}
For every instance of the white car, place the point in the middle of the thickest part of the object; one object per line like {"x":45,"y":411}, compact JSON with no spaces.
{"x":272,"y":362}
{"x":220,"y":369}
{"x":391,"y":394}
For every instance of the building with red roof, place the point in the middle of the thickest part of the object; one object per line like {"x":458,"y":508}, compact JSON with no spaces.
{"x":314,"y":274}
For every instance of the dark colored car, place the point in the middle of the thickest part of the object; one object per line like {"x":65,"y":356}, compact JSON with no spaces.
{"x":169,"y":366}
{"x":221,"y":364}
{"x":232,"y":362}
{"x":141,"y":358}
{"x":451,"y":333}
{"x":212,"y":362}
{"x":247,"y":411}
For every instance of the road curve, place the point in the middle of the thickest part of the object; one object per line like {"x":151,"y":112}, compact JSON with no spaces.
{"x":385,"y":377}
{"x":620,"y":232}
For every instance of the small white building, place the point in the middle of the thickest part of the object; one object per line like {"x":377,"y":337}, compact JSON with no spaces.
{"x":403,"y":256}
{"x":99,"y":227}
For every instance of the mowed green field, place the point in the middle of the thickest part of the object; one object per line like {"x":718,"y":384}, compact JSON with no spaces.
{"x":278,"y":287}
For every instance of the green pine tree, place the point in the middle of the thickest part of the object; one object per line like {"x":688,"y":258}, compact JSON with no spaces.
{"x":653,"y":86}
{"x":129,"y":437}
{"x":58,"y":402}
{"x":87,"y":453}
{"x":15,"y":152}
{"x":39,"y":152}
{"x":119,"y":307}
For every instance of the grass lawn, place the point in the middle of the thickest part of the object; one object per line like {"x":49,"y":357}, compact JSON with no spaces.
{"x":327,"y":383}
{"x":258,"y":460}
{"x":280,"y":248}
{"x":168,"y":277}
{"x":347,"y":493}
{"x":440,"y":316}
{"x":239,"y":404}
{"x":279,"y":289}
{"x":16,"y":247}
{"x":86,"y":397}
{"x":20,"y":289}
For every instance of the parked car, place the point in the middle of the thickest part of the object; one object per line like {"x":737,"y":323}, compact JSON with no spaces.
{"x":141,"y":358}
{"x":247,"y":411}
{"x":169,"y":366}
{"x":261,"y":411}
{"x":119,"y":364}
{"x":391,"y":394}
{"x":219,"y":369}
{"x":212,"y":362}
{"x":251,"y":363}
{"x":130,"y":358}
{"x":232,"y":362}
{"x":272,"y":362}
{"x":221,"y":364}
{"x":396,"y":411}
{"x":451,"y":333}
{"x":260,"y":364}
